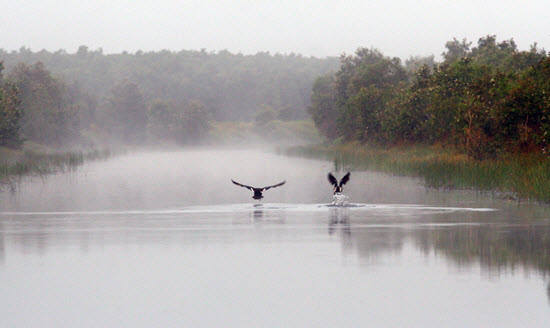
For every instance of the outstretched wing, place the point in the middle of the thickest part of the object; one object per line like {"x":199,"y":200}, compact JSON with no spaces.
{"x":344,"y":179}
{"x":240,"y":184}
{"x":277,"y":185}
{"x":332,"y":180}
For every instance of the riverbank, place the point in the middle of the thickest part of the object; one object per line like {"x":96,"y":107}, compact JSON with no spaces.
{"x":521,"y":177}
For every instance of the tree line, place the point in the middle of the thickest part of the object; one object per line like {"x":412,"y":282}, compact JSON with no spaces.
{"x":37,"y":107}
{"x":56,"y":97}
{"x":485,"y":100}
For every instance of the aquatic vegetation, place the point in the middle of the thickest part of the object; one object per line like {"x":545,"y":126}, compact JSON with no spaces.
{"x":517,"y":176}
{"x":13,"y":168}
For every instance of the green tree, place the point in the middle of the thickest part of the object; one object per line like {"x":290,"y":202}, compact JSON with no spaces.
{"x":195,"y":122}
{"x":456,"y":50}
{"x":126,"y":113}
{"x":479,"y":121}
{"x":162,"y":121}
{"x":352,"y":67}
{"x":489,"y":52}
{"x":529,"y":107}
{"x":363,"y":115}
{"x":47,"y":118}
{"x":415,"y":63}
{"x":85,"y":103}
{"x":231,"y":86}
{"x":522,"y":60}
{"x":408,"y":121}
{"x":366,"y":82}
{"x":484,"y":101}
{"x":352,"y":102}
{"x":10,"y":114}
{"x":323,"y":109}
{"x":182,"y":124}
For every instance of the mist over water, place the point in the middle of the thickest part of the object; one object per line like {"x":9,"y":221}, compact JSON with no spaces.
{"x":165,"y":239}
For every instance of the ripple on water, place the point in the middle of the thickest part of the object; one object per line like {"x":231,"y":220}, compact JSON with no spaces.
{"x":339,"y":201}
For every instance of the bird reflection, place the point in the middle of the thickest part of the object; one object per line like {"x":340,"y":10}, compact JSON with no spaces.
{"x":339,"y":220}
{"x":258,"y":214}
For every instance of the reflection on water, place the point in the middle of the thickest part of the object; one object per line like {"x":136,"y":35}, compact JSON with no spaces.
{"x":464,"y":235}
{"x":339,"y":223}
{"x":152,"y":253}
{"x":271,"y":215}
{"x":339,"y":216}
{"x":2,"y":252}
{"x":495,"y":248}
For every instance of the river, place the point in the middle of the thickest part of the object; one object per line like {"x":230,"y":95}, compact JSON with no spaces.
{"x":164,"y":239}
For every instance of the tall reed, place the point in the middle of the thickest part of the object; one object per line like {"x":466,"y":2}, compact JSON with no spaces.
{"x":36,"y":163}
{"x":521,"y":176}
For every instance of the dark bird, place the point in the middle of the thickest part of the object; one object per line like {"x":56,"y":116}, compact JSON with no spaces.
{"x":334,"y":182}
{"x":258,"y":191}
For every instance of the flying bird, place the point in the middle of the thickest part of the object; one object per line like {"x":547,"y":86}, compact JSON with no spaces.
{"x":258,"y":191}
{"x":334,"y":182}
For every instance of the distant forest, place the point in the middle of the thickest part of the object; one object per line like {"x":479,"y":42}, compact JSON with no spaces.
{"x":53,"y":98}
{"x":485,"y":100}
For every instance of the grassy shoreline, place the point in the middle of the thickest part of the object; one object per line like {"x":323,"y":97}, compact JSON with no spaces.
{"x":14,"y":164}
{"x":522,"y":177}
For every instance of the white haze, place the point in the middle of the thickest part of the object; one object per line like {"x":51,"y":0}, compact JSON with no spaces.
{"x":312,"y":28}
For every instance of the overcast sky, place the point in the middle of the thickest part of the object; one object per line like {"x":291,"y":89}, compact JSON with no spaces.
{"x":312,"y":28}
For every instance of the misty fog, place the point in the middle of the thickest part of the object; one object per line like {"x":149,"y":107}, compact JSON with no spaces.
{"x":181,"y":164}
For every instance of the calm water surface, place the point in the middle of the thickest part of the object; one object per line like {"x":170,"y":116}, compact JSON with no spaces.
{"x":164,"y":239}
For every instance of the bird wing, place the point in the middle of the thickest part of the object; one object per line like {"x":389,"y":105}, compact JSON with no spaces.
{"x":344,"y":179}
{"x":240,"y":184}
{"x":277,"y":185}
{"x":332,"y":180}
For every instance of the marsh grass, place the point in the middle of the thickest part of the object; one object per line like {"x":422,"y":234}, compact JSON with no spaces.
{"x":14,"y":166}
{"x":517,"y":176}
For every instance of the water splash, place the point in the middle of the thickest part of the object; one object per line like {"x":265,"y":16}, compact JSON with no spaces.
{"x":340,"y":199}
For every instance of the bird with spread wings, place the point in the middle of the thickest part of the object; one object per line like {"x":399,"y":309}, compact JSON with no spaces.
{"x":338,"y":186}
{"x":257,"y":191}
